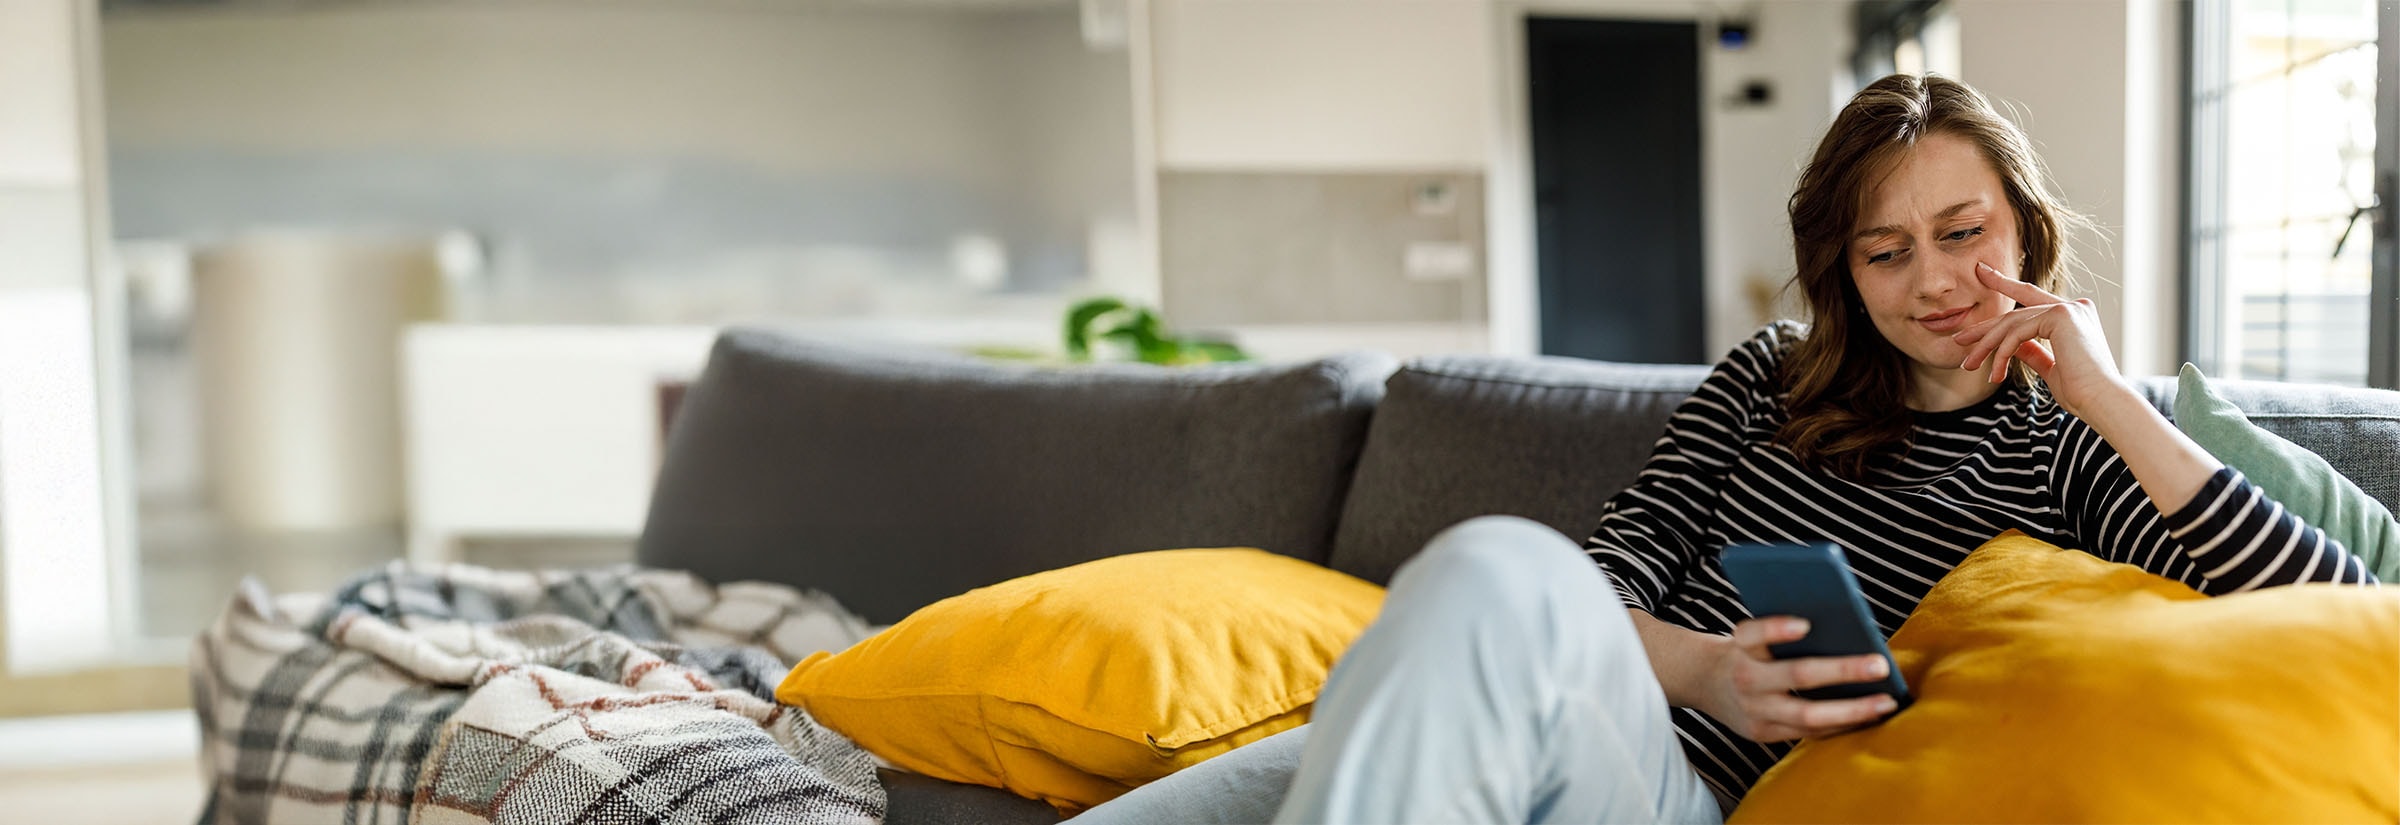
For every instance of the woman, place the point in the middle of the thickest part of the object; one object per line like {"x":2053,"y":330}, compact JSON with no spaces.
{"x":1941,"y":394}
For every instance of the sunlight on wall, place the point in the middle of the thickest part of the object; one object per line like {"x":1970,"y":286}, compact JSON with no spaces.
{"x":50,"y":517}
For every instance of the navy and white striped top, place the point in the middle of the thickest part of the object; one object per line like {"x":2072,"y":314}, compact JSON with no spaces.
{"x":2015,"y":460}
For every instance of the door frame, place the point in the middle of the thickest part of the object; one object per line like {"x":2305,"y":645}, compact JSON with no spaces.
{"x":1707,"y":212}
{"x":2383,"y":315}
{"x":1513,"y":284}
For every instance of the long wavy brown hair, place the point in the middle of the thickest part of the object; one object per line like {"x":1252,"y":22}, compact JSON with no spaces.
{"x":1847,"y":386}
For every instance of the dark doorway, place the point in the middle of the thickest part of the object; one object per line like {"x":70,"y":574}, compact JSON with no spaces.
{"x":1615,"y":106}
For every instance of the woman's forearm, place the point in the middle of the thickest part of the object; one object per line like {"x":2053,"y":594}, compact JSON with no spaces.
{"x":1681,"y":658}
{"x":2170,"y":467}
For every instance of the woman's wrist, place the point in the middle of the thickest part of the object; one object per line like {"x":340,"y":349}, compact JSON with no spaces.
{"x":2169,"y":466}
{"x":1684,"y":660}
{"x":2120,"y":409}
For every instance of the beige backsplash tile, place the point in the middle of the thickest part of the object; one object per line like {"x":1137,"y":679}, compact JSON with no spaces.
{"x":1312,"y":248}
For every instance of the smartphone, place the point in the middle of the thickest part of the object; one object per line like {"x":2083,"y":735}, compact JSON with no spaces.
{"x":1813,"y":582}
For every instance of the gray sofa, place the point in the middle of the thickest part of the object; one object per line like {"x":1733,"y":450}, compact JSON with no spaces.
{"x":892,"y":479}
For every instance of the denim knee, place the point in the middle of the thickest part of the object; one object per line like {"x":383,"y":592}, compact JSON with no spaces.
{"x":1503,"y":560}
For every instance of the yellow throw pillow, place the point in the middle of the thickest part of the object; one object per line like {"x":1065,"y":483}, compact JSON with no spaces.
{"x":2055,"y":687}
{"x":1076,"y":685}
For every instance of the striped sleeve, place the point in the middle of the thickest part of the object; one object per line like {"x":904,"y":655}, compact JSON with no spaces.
{"x":2237,"y":535}
{"x":1646,"y":538}
{"x":2229,"y":538}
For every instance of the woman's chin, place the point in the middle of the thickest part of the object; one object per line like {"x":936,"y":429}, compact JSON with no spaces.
{"x":1937,"y":357}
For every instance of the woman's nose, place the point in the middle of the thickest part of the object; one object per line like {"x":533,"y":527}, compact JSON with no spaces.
{"x":1943,"y":276}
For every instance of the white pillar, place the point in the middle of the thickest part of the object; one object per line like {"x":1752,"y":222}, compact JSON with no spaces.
{"x":55,"y":557}
{"x":296,"y":336}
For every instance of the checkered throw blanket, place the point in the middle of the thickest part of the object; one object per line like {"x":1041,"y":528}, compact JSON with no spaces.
{"x":466,"y":695}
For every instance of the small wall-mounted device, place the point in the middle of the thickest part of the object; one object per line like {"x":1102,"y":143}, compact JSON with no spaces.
{"x":1733,"y":33}
{"x":1434,"y":197}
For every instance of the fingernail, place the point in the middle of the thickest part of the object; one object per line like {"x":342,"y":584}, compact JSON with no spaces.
{"x":1885,"y":704}
{"x":1796,"y":626}
{"x":1878,"y":669}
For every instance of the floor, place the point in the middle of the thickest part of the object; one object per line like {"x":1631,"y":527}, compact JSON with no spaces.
{"x":137,"y":794}
{"x":101,"y":769}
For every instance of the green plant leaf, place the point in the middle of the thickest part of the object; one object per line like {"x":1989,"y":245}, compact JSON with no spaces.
{"x":1220,"y":351}
{"x":1079,"y":325}
{"x":1141,"y":332}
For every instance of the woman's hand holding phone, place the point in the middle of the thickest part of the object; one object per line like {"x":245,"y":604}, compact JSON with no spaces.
{"x":1752,"y":691}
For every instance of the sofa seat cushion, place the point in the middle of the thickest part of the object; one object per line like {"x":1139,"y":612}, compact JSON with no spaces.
{"x":2055,"y":687}
{"x":892,"y":478}
{"x":1549,"y":439}
{"x":916,"y":799}
{"x":1075,"y":685}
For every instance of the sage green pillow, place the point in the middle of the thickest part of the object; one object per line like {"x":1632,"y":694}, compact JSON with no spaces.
{"x":2288,"y":472}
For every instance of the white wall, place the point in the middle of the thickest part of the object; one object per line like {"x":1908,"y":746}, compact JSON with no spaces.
{"x":784,"y":149}
{"x":791,"y":90}
{"x":1321,"y":85}
{"x":1754,"y":154}
{"x":2093,"y":81}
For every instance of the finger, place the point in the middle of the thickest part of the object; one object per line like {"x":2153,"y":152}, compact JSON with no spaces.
{"x":1793,"y":717}
{"x":1769,"y":732}
{"x":1975,"y":332}
{"x":2024,"y":324}
{"x":2037,"y":355}
{"x":2004,"y":326}
{"x":1756,"y":634}
{"x":2008,"y":346}
{"x":1999,"y":364}
{"x":1983,"y":329}
{"x":2023,"y":292}
{"x":1831,"y":716}
{"x":1819,"y":672}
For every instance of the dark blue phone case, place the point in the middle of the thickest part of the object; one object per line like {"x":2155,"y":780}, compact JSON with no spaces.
{"x":1813,"y":582}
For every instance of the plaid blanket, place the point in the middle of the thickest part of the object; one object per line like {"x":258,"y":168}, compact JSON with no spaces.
{"x":467,"y":695}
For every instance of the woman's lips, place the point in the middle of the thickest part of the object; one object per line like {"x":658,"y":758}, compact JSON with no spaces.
{"x":1947,"y":320}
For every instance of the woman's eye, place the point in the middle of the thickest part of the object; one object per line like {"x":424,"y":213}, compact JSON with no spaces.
{"x":1963,"y":234}
{"x":1882,"y":257}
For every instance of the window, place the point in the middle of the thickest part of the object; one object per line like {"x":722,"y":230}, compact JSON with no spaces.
{"x":1905,"y":37}
{"x":2290,"y":266}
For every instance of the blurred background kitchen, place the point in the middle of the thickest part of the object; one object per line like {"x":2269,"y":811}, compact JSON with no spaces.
{"x":293,"y":287}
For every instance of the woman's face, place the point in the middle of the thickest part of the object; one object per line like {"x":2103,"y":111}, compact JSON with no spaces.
{"x":1923,"y":228}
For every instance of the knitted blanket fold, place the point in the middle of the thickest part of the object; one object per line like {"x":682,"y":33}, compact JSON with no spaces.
{"x":468,"y":695}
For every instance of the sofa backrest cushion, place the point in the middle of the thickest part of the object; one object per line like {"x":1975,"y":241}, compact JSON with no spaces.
{"x":891,"y":479}
{"x":1551,"y":439}
{"x":1456,"y":437}
{"x":2355,"y":430}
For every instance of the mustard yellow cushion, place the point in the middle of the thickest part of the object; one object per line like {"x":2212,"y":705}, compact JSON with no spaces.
{"x":1076,"y":685}
{"x":2056,"y":687}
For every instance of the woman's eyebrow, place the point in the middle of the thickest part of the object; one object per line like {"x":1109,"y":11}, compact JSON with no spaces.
{"x":1894,"y":229}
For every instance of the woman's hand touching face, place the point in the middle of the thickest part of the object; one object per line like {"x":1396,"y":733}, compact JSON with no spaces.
{"x":2060,"y":339}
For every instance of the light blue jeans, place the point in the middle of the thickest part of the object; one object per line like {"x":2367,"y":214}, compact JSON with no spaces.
{"x":1502,"y":683}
